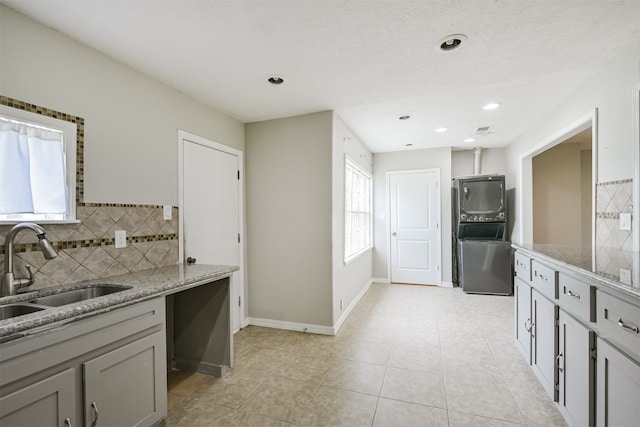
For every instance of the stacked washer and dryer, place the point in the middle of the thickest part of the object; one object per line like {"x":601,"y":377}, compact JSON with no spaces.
{"x":482,"y":260}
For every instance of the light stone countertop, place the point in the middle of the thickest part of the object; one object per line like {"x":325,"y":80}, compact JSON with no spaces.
{"x":600,"y":264}
{"x":145,"y":284}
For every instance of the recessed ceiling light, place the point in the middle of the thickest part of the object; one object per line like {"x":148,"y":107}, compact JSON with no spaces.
{"x":405,"y":117}
{"x":275,"y":80}
{"x":491,"y":106}
{"x":440,"y":130}
{"x":451,"y":42}
{"x":470,"y":140}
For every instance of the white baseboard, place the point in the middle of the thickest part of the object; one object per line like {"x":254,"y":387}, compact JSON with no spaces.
{"x":380,"y":280}
{"x":351,"y":306}
{"x":291,"y":326}
{"x":446,"y":284}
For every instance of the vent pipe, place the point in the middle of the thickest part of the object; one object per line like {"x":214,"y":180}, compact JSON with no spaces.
{"x":476,"y":160}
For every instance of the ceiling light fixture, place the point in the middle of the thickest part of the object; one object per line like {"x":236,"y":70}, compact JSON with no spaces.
{"x":470,"y":140}
{"x":405,"y":117}
{"x":491,"y":106}
{"x":440,"y":130}
{"x":451,"y":42}
{"x":275,"y":80}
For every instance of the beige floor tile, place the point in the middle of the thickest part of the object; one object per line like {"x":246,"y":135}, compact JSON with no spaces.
{"x":264,"y":359}
{"x":394,"y":413}
{"x":232,"y":390}
{"x":197,"y":413}
{"x":537,"y":409}
{"x":305,"y":369}
{"x":281,"y":399}
{"x":416,"y":358}
{"x":426,"y":388}
{"x":184,"y":383}
{"x":332,"y":407}
{"x":365,"y":351}
{"x":459,"y":419}
{"x":247,"y":419}
{"x":356,"y":376}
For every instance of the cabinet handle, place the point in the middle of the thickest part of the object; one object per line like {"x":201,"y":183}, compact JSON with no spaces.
{"x":558,"y":363}
{"x":632,"y":328}
{"x":573,"y":294}
{"x":94,"y":405}
{"x":67,"y":421}
{"x":541,"y":276}
{"x":528,"y":328}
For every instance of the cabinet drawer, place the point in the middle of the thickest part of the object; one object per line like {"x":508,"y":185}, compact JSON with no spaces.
{"x":522,"y":267}
{"x":619,"y":323}
{"x":577,"y":298}
{"x":544,"y":279}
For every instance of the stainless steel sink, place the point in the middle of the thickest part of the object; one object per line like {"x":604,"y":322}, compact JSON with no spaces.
{"x":77,"y":295}
{"x":13,"y":310}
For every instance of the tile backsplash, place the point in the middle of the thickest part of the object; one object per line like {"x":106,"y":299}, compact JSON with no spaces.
{"x":612,"y":199}
{"x":86,"y":250}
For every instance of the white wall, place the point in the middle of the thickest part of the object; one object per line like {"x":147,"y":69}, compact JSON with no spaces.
{"x":408,"y":160}
{"x":131,"y":120}
{"x":289,"y":219}
{"x":349,"y":280}
{"x":492,"y":161}
{"x":610,"y":90}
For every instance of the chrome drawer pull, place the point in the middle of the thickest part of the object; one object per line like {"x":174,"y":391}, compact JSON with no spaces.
{"x":541,"y":276}
{"x":632,"y":328}
{"x":94,"y":405}
{"x":573,"y":294}
{"x":67,"y":421}
{"x":528,"y":328}
{"x":558,"y":363}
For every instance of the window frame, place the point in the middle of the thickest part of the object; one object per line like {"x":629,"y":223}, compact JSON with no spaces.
{"x":349,"y":163}
{"x":69,"y":145}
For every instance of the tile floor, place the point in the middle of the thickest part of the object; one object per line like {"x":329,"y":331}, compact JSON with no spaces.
{"x":406,"y":356}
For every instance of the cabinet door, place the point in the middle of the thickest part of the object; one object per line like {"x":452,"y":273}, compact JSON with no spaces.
{"x":544,"y":342}
{"x":618,"y":388}
{"x":522,"y":301}
{"x":576,"y":371}
{"x":127,"y":386}
{"x":50,"y":402}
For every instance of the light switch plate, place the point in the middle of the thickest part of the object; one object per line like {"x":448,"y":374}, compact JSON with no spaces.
{"x":121,"y":239}
{"x":625,"y":276}
{"x":625,"y":221}
{"x":166,"y":212}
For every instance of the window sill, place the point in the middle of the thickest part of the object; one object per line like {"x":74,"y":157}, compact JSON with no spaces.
{"x":357,"y":255}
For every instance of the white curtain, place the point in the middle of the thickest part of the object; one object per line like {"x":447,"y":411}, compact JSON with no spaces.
{"x":32,"y":170}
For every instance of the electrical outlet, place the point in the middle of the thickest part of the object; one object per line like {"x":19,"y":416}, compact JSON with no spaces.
{"x":121,"y":239}
{"x":625,"y":276}
{"x":166,"y":212}
{"x":625,"y":221}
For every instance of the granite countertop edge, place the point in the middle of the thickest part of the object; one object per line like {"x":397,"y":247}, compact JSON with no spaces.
{"x":601,"y":280}
{"x":145,"y":285}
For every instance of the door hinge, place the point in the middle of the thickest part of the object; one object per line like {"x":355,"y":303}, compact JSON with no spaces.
{"x":593,"y":353}
{"x":238,"y":237}
{"x":239,"y":301}
{"x":557,"y":387}
{"x":238,"y":174}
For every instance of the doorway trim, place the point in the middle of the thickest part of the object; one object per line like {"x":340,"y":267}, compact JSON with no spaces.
{"x":636,"y":171}
{"x":525,"y":199}
{"x":388,"y":216}
{"x":238,"y":276}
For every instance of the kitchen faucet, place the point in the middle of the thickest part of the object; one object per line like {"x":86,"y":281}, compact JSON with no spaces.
{"x":10,"y":284}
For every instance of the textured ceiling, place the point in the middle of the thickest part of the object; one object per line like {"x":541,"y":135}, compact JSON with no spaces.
{"x":370,"y":61}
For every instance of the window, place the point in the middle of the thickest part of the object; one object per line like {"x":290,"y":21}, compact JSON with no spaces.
{"x":37,"y":167}
{"x":357,"y":207}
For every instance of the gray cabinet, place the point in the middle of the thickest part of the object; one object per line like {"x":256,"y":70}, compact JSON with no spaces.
{"x":49,"y":402}
{"x":522,"y":301}
{"x":121,"y":387}
{"x":109,"y":368}
{"x":576,"y":371}
{"x":618,"y":387}
{"x":544,"y":343}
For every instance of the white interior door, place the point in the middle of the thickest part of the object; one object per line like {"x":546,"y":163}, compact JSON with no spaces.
{"x":414,"y":217}
{"x":211,"y":210}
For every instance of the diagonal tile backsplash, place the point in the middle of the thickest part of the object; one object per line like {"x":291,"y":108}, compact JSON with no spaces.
{"x":612,"y":199}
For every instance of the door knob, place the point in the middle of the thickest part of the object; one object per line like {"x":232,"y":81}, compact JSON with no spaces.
{"x":393,"y":234}
{"x":191,"y":260}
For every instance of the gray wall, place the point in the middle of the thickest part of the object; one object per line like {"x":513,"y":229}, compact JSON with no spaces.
{"x":289,"y":218}
{"x":408,"y":160}
{"x":131,"y":120}
{"x":349,"y":280}
{"x":610,"y":90}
